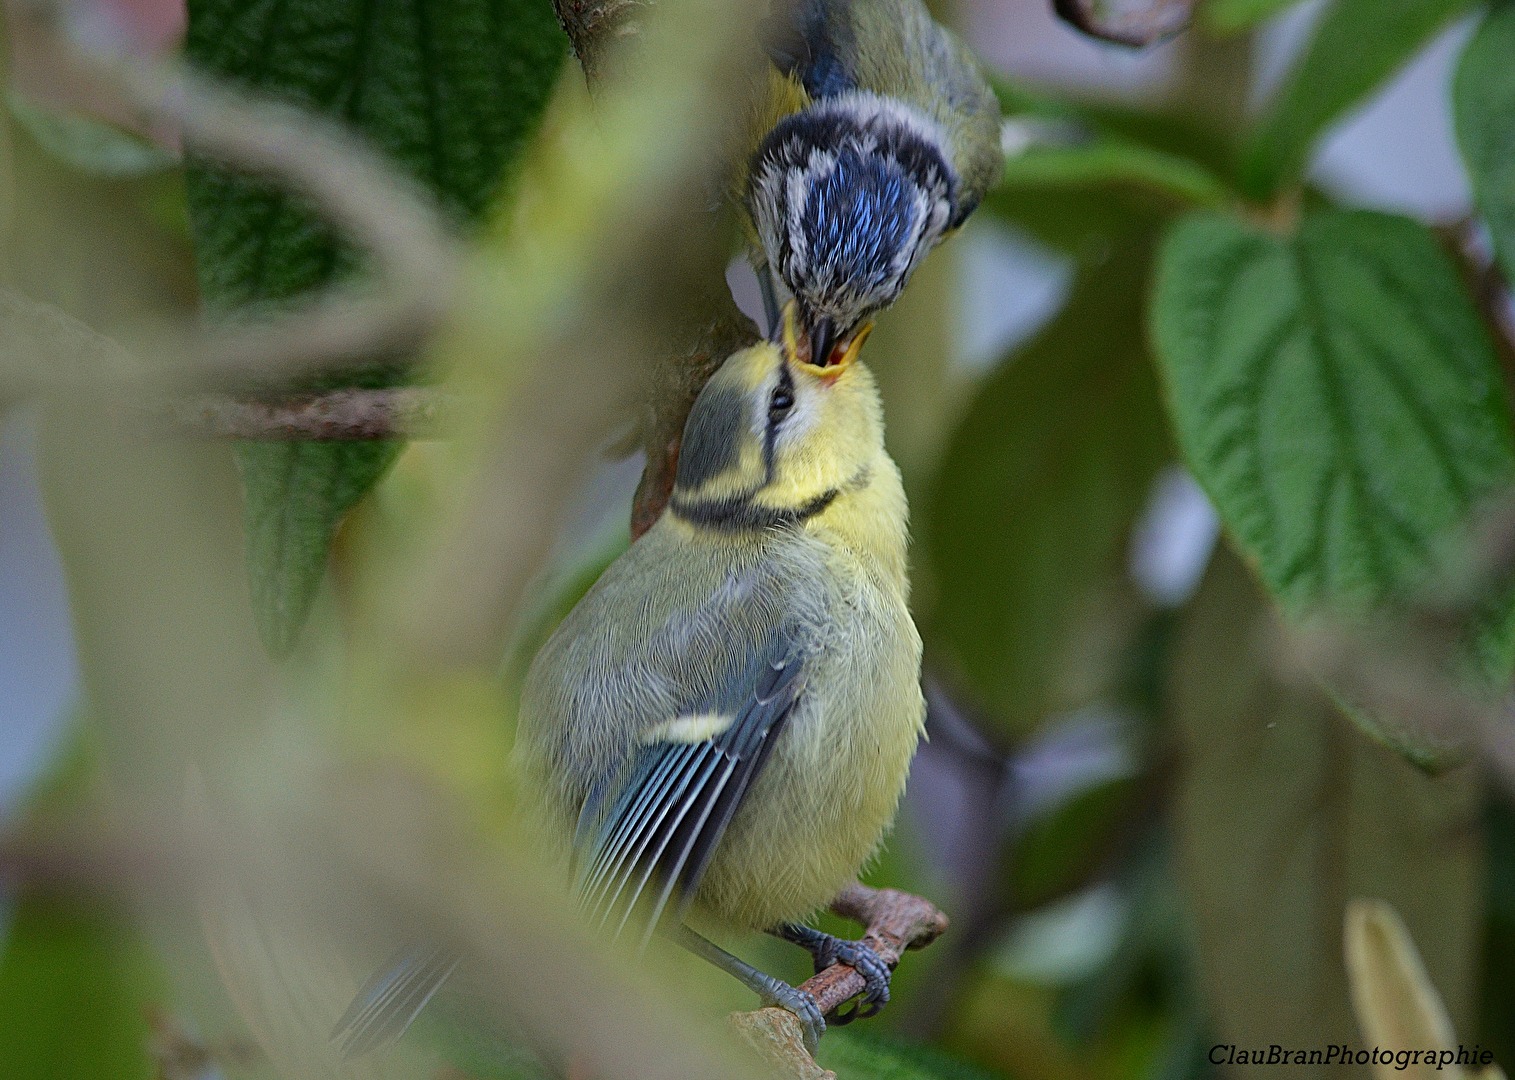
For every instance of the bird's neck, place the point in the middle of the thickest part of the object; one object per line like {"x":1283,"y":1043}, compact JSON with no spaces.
{"x":872,"y":521}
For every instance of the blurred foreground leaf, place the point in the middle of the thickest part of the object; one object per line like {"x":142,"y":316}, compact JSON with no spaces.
{"x":1283,"y":814}
{"x":1395,"y":1002}
{"x":450,"y":92}
{"x":76,"y":983}
{"x":1338,"y":398}
{"x":1357,"y":45}
{"x":1483,"y":98}
{"x":1035,"y":496}
{"x":76,"y":988}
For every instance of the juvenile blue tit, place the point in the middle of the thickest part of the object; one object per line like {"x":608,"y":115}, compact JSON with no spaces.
{"x":882,"y":136}
{"x":722,"y":727}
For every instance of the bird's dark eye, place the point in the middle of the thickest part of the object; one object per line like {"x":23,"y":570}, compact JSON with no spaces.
{"x":780,"y":403}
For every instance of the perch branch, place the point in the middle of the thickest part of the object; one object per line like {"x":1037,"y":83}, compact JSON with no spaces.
{"x":895,"y":921}
{"x":1127,"y":22}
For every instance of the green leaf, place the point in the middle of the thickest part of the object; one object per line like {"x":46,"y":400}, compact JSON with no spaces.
{"x":1026,"y":536}
{"x":854,"y":1056}
{"x":1357,"y":45}
{"x":1112,"y":161}
{"x":450,"y":91}
{"x":1283,"y":813}
{"x":1060,"y":851}
{"x":1483,"y":99}
{"x":1338,"y":398}
{"x":1497,"y":1020}
{"x":1334,"y":392}
{"x":1233,"y":16}
{"x":297,"y":493}
{"x":87,"y":144}
{"x":75,"y":992}
{"x":76,"y":983}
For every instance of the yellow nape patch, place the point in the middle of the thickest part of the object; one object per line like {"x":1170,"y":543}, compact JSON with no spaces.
{"x":688,"y":729}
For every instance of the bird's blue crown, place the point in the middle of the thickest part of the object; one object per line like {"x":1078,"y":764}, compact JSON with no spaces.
{"x":847,"y":197}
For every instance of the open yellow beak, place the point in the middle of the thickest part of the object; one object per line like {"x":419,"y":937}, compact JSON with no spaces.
{"x":797,"y":345}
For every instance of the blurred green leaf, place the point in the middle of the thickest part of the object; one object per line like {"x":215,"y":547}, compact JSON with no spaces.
{"x":76,"y":984}
{"x":1357,"y":45}
{"x":1027,"y":530}
{"x":1283,"y":814}
{"x":1338,"y":398}
{"x":75,"y":992}
{"x":88,"y":144}
{"x":1233,"y":16}
{"x":450,"y":92}
{"x":1483,"y":99}
{"x":855,"y":1056}
{"x":1497,"y":1027}
{"x":1061,"y":850}
{"x":1112,"y":161}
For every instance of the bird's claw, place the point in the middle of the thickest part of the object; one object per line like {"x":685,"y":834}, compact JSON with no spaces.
{"x":862,"y":959}
{"x":805,"y":1008}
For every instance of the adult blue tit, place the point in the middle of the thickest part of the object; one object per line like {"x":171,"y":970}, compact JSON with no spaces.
{"x":719,"y":732}
{"x":882,"y":136}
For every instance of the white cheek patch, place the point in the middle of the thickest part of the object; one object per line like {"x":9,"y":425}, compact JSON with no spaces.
{"x":697,"y":728}
{"x":799,"y":421}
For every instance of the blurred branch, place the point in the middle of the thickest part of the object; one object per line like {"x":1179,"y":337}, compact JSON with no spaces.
{"x":677,"y":374}
{"x":414,"y":258}
{"x":37,"y":337}
{"x":895,"y":921}
{"x":409,"y":412}
{"x":1127,"y":22}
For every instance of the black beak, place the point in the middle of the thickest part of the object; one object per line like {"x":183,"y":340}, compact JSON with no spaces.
{"x":822,"y":338}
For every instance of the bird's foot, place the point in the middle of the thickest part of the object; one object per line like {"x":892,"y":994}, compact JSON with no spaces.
{"x":828,"y":950}
{"x":804,"y":1007}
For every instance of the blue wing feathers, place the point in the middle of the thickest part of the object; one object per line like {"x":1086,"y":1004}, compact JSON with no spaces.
{"x":678,"y":798}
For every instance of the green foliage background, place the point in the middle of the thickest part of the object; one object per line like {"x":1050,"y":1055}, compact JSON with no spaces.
{"x":1324,"y":372}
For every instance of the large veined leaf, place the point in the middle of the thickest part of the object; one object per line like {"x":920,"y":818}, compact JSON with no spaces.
{"x":1483,"y":98}
{"x":1336,"y":395}
{"x":450,"y":91}
{"x":1357,"y":45}
{"x":1026,"y":536}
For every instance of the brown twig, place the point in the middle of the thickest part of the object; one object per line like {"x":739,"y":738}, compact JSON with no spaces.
{"x":896,"y":921}
{"x":1127,"y":22}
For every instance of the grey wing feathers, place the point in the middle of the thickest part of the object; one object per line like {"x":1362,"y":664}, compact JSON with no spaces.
{"x":391,"y":999}
{"x":659,"y":834}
